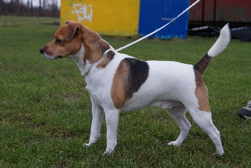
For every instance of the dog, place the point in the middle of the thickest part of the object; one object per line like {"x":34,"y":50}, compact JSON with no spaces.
{"x":120,"y":83}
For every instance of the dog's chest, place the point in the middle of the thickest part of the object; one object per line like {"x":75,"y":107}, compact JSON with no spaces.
{"x":99,"y":88}
{"x":95,"y":99}
{"x":94,"y":94}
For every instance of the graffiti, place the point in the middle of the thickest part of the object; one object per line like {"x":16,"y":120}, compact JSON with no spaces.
{"x":82,"y":12}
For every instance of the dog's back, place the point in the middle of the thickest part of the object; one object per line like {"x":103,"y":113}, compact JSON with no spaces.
{"x":168,"y":80}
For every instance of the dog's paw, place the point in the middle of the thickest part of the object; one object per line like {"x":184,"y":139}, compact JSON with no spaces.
{"x":91,"y":142}
{"x":218,"y":154}
{"x":86,"y":144}
{"x":108,"y":151}
{"x":174,"y":143}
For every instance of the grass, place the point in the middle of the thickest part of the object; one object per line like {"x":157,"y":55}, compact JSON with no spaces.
{"x":45,"y":110}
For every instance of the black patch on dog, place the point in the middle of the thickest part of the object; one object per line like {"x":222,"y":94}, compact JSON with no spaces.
{"x":202,"y":64}
{"x":110,"y":55}
{"x":138,"y":73}
{"x":106,"y":59}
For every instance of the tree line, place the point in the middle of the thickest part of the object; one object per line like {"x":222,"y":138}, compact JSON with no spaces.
{"x":45,"y":8}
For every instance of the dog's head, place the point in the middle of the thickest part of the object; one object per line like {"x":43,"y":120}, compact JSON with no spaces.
{"x":69,"y":39}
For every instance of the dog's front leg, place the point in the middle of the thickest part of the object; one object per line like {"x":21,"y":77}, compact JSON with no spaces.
{"x":97,"y":117}
{"x":112,"y":121}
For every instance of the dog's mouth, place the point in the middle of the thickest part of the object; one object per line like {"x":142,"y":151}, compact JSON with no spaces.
{"x":51,"y":57}
{"x":48,"y":56}
{"x":60,"y":56}
{"x":42,"y":51}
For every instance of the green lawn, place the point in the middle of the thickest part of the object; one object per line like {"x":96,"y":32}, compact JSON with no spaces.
{"x":45,"y":110}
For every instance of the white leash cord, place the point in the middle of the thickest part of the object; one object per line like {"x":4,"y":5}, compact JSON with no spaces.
{"x":144,"y":37}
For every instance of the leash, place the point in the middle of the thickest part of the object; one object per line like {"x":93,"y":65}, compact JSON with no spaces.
{"x":144,"y":37}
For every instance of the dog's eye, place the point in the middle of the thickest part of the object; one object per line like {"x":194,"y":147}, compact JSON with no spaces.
{"x":58,"y":41}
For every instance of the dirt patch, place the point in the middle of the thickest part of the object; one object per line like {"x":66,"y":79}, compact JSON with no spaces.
{"x":61,"y":134}
{"x":35,"y":125}
{"x":62,"y":165}
{"x":160,"y":117}
{"x":23,"y":120}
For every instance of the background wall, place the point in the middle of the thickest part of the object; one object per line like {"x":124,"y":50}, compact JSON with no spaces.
{"x":109,"y":17}
{"x":218,"y":12}
{"x":154,"y":14}
{"x":128,"y":17}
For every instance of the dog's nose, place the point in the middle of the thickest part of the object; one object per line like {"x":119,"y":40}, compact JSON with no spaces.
{"x":41,"y":50}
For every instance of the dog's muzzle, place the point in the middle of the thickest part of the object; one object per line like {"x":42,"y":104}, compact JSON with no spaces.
{"x":42,"y":51}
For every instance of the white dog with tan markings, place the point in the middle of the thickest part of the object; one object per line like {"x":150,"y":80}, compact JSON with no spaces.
{"x":120,"y":83}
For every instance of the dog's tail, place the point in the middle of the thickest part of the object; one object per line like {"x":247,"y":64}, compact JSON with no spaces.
{"x":216,"y":49}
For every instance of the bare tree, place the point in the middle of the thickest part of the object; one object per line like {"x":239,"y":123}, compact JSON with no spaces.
{"x":17,"y":5}
{"x":28,"y":7}
{"x":40,"y":8}
{"x":25,"y":7}
{"x":11,"y":7}
{"x":44,"y":4}
{"x":31,"y":7}
{"x":1,"y":7}
{"x":54,"y":7}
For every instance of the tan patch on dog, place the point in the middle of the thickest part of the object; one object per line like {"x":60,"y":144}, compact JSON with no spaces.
{"x":94,"y":45}
{"x":72,"y":35}
{"x":118,"y":93}
{"x":201,"y":92}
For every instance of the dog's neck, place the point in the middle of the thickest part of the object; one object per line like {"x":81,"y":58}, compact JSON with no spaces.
{"x":84,"y":67}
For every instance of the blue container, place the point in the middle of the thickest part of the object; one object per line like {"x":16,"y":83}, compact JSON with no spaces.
{"x":156,"y":13}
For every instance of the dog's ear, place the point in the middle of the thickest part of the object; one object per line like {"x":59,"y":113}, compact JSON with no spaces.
{"x":71,"y":31}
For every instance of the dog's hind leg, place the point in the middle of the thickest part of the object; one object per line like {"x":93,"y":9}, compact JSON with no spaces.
{"x":204,"y":120}
{"x":178,"y":115}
